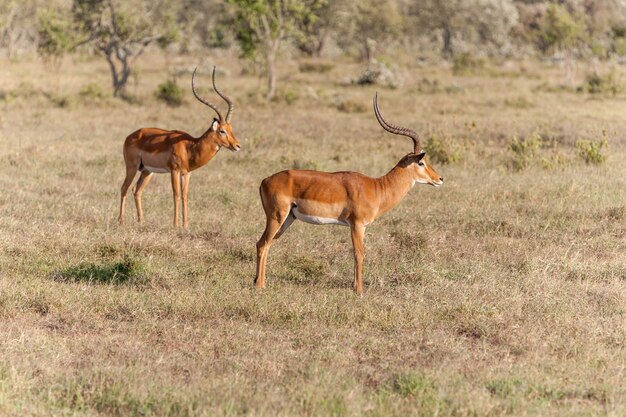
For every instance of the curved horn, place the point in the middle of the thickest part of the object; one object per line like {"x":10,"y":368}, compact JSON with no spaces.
{"x":396,"y":129}
{"x":225,"y":97}
{"x":200,"y":99}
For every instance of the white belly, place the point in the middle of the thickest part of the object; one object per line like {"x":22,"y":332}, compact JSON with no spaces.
{"x":156,"y":170}
{"x":316,"y":219}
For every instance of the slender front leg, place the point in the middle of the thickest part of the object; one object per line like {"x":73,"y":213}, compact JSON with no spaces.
{"x":176,"y":191}
{"x":358,"y":233}
{"x":142,"y":182}
{"x":185,"y":186}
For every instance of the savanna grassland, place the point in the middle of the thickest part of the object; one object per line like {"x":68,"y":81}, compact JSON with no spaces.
{"x":501,"y":293}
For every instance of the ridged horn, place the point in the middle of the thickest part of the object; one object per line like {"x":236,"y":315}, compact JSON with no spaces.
{"x":202,"y":100}
{"x":225,"y":97}
{"x":397,"y":130}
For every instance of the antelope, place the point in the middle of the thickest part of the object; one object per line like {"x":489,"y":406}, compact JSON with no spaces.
{"x":152,"y":150}
{"x":344,"y":198}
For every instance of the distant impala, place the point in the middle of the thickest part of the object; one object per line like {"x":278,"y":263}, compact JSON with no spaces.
{"x":344,"y":198}
{"x":152,"y":150}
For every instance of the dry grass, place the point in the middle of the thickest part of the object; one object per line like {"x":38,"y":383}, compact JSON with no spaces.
{"x":502,"y":293}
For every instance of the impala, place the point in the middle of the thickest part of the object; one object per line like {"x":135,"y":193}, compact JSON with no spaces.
{"x":344,"y":198}
{"x":152,"y":150}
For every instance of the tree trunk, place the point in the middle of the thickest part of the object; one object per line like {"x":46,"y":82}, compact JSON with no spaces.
{"x":271,"y":75}
{"x":447,"y":49}
{"x":120,"y":70}
{"x":321,"y":42}
{"x":570,"y":68}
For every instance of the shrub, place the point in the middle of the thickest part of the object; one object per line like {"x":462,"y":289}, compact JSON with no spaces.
{"x":315,"y":66}
{"x":92,"y":91}
{"x":59,"y":100}
{"x":609,"y":84}
{"x":519,"y":103}
{"x":170,"y":93}
{"x":349,"y":106}
{"x":620,"y":46}
{"x":555,"y":161}
{"x":413,"y":384}
{"x":24,"y":89}
{"x":591,"y":151}
{"x":291,"y":96}
{"x":466,"y":64}
{"x":442,"y":151}
{"x":524,"y":150}
{"x":379,"y":74}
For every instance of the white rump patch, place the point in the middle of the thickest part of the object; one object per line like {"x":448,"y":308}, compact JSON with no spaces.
{"x":156,"y":170}
{"x":315,"y":219}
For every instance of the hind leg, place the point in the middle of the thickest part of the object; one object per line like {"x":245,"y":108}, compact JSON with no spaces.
{"x":142,"y":182}
{"x":276,"y":224}
{"x":130,"y":176}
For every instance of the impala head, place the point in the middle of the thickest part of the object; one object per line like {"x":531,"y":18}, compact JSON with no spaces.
{"x":220,"y":127}
{"x":423,"y":172}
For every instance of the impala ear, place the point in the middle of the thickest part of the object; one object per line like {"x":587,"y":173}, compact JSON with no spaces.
{"x":420,"y":156}
{"x":214,"y":125}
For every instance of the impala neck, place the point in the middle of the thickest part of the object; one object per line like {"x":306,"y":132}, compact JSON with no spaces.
{"x":205,"y":148}
{"x":393,"y":187}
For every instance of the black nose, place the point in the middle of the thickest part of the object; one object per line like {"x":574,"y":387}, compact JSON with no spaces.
{"x":441,"y":179}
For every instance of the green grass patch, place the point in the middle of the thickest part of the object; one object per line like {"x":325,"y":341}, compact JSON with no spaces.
{"x":129,"y":269}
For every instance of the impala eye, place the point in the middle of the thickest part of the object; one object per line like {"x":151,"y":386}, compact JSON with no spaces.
{"x":222,"y":132}
{"x":420,"y":164}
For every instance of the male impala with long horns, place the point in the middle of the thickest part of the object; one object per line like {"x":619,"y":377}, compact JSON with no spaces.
{"x":151,"y":150}
{"x":344,"y":198}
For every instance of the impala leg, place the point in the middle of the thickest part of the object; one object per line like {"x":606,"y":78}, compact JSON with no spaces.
{"x":142,"y":182}
{"x":176,"y":193}
{"x":130,"y":176}
{"x":273,"y":229}
{"x":358,"y":233}
{"x":185,"y":188}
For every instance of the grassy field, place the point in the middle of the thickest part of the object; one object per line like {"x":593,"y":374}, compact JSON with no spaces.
{"x":502,"y":293}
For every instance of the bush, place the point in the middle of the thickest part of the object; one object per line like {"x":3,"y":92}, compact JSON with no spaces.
{"x":170,"y":93}
{"x":620,"y":46}
{"x":60,"y":100}
{"x":442,"y":152}
{"x":288,"y":96}
{"x":379,"y":74}
{"x":591,"y":151}
{"x":291,"y":96}
{"x":315,"y":66}
{"x":349,"y":106}
{"x":519,"y":103}
{"x":467,"y":64}
{"x":92,"y":91}
{"x":524,"y":150}
{"x":609,"y":84}
{"x":555,"y":161}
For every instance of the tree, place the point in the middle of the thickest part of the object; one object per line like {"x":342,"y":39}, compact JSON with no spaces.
{"x":119,"y":31}
{"x":56,"y":34}
{"x":16,"y":24}
{"x":560,"y":31}
{"x":368,"y":22}
{"x":314,"y":28}
{"x":478,"y":22}
{"x":262,"y":25}
{"x":206,"y":21}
